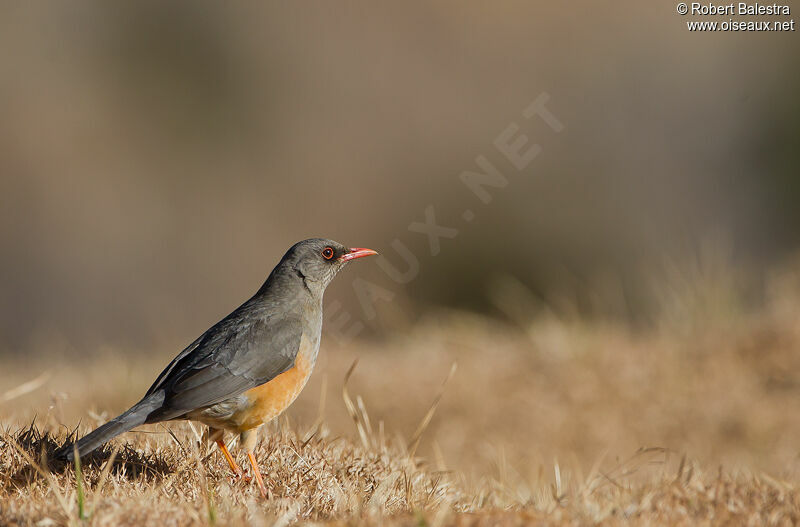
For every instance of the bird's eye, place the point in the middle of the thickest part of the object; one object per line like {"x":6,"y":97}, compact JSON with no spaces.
{"x":327,"y":253}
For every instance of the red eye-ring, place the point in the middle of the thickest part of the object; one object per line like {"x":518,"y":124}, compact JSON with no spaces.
{"x":327,"y":253}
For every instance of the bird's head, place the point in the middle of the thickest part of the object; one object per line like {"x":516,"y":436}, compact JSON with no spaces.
{"x":317,"y":260}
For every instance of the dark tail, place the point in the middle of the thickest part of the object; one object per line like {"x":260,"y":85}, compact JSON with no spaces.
{"x":124,"y":422}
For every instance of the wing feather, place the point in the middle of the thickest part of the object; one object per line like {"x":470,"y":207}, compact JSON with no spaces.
{"x":238,"y":353}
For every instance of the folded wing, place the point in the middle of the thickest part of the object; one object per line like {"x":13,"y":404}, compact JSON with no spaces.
{"x":238,"y":353}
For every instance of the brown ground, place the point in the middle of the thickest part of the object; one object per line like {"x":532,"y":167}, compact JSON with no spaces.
{"x":551,"y":421}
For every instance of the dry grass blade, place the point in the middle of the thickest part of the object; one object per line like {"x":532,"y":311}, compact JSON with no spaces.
{"x":101,"y":482}
{"x":26,"y":387}
{"x":315,"y":428}
{"x":174,"y":438}
{"x":592,"y":481}
{"x":429,"y":415}
{"x":362,"y":408}
{"x":351,"y":408}
{"x":558,"y":491}
{"x":197,"y":435}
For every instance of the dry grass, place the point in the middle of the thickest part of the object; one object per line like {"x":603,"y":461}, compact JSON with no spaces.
{"x":554,"y":421}
{"x":166,"y":481}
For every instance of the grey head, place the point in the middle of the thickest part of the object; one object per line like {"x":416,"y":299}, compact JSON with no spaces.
{"x":313,"y":263}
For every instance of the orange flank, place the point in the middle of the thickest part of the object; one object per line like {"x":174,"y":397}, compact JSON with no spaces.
{"x":270,"y":399}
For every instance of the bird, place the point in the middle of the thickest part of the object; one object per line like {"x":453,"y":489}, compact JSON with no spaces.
{"x":247,"y":368}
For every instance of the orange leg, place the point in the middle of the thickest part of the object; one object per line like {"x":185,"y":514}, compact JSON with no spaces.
{"x":229,"y":458}
{"x":257,"y":473}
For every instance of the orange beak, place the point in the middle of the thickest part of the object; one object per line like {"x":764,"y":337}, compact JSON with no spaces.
{"x":357,"y":252}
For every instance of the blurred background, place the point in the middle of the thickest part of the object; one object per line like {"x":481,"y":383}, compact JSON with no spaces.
{"x":157,"y":159}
